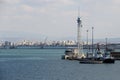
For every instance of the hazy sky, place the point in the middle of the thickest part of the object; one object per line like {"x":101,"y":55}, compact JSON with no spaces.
{"x":56,"y":19}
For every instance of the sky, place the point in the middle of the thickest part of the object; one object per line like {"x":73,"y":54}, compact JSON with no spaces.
{"x":56,"y":19}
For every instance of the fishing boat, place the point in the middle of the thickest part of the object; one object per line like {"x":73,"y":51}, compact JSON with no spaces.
{"x":98,"y":60}
{"x":107,"y":55}
{"x":108,"y":58}
{"x":98,"y":57}
{"x":69,"y":54}
{"x":72,"y":54}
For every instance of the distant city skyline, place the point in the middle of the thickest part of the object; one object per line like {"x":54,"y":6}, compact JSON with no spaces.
{"x":56,"y":19}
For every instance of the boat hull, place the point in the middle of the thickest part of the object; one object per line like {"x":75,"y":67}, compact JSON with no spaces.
{"x":98,"y":61}
{"x":87,"y":61}
{"x":109,"y":60}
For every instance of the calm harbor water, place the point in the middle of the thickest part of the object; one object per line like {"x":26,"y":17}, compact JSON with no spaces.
{"x":46,"y":64}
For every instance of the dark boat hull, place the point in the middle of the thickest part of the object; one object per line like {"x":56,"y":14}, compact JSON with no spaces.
{"x":98,"y":61}
{"x":109,"y":60}
{"x":89,"y":61}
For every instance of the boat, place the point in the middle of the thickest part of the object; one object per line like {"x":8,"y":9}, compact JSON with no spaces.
{"x":101,"y":60}
{"x":98,"y":57}
{"x":107,"y":55}
{"x":72,"y":54}
{"x":68,"y":54}
{"x":109,"y":60}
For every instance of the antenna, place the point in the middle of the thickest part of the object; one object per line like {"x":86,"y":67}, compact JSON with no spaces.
{"x":79,"y":25}
{"x":78,"y":11}
{"x":78,"y":20}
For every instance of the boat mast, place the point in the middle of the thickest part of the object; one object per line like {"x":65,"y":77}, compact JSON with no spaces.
{"x":79,"y":34}
{"x":106,"y":44}
{"x":92,"y":41}
{"x":87,"y":40}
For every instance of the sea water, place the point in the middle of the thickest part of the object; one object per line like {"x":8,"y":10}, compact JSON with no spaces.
{"x":46,"y":64}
